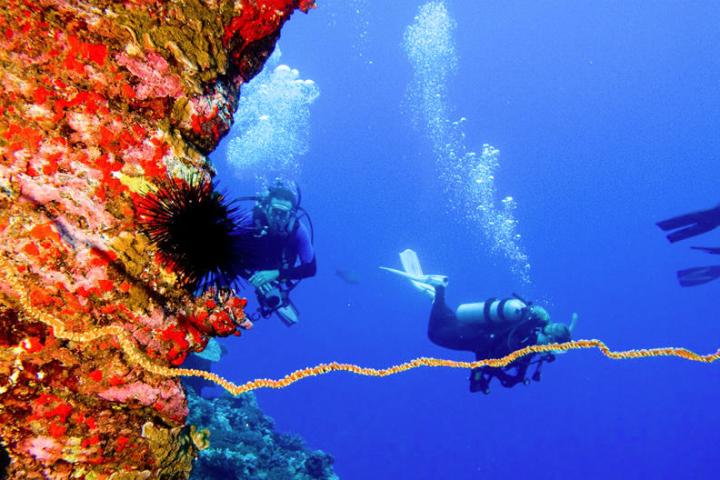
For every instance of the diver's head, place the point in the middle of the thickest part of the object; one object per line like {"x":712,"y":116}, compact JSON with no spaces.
{"x":554,"y":333}
{"x":280,"y":206}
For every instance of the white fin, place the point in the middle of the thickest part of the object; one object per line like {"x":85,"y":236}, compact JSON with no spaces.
{"x":413,"y":272}
{"x":411,"y":262}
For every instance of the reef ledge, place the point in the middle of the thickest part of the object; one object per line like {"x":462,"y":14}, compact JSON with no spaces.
{"x":102,"y":101}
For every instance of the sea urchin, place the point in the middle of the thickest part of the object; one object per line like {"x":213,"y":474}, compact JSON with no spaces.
{"x":195,"y":231}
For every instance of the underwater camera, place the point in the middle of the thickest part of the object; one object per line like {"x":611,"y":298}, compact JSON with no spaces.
{"x":273,"y":298}
{"x":276,"y":300}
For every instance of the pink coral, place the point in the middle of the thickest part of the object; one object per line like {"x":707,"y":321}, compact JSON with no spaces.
{"x":44,"y":448}
{"x":153,"y":76}
{"x":166,"y":397}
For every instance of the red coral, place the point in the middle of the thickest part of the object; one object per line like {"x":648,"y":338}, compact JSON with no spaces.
{"x":261,"y":18}
{"x":57,"y":430}
{"x":121,"y":443}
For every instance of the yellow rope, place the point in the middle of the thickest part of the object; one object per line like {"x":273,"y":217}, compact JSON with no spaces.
{"x":436,"y":362}
{"x":136,"y":356}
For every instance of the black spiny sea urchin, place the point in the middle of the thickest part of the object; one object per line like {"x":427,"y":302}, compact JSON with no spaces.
{"x":195,"y":231}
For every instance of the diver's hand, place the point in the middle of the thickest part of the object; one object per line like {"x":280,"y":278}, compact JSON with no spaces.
{"x":573,"y":322}
{"x":264,"y":276}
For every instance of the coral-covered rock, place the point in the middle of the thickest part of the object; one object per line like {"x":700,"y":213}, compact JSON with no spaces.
{"x":102,"y":101}
{"x":244,"y":445}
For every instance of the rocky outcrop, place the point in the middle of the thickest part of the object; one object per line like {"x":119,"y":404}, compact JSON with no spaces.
{"x":245,"y":446}
{"x":103,"y":101}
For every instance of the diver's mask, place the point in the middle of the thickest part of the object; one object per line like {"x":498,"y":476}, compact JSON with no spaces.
{"x":280,"y":216}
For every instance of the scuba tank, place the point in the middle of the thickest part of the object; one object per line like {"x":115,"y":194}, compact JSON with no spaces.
{"x":492,"y":311}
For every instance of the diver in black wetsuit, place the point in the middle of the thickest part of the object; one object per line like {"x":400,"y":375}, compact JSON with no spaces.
{"x":282,"y":246}
{"x":490,"y":329}
{"x":690,"y":225}
{"x":493,"y":329}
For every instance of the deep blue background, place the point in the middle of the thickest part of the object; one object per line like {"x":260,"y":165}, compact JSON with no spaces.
{"x":607,"y":117}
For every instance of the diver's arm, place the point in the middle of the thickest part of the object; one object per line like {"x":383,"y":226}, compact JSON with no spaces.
{"x":306,"y":252}
{"x":573,"y":322}
{"x":264,"y":277}
{"x":304,"y":270}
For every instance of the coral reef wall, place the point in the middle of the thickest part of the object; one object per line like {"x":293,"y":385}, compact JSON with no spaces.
{"x":244,"y":445}
{"x":101,"y":101}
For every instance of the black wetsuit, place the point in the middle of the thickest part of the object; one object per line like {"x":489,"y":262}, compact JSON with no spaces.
{"x":445,"y":330}
{"x":276,"y":252}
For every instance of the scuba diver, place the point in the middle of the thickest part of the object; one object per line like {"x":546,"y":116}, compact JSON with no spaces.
{"x":490,"y":329}
{"x":282,"y":246}
{"x":690,"y":225}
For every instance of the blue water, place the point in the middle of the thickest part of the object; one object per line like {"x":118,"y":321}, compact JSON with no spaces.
{"x":607,"y":116}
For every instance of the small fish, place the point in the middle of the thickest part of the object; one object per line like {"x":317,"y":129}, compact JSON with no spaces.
{"x":348,"y":276}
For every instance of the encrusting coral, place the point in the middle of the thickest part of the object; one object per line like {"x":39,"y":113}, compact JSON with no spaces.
{"x":104,"y":100}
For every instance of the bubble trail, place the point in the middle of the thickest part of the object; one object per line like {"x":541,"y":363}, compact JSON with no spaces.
{"x":468,"y":176}
{"x":272,"y":123}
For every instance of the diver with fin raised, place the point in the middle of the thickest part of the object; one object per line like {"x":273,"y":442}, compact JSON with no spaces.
{"x":490,"y":329}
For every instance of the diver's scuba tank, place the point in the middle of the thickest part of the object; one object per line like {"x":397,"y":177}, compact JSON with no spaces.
{"x":492,"y":311}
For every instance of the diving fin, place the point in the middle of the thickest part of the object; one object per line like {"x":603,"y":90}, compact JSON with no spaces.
{"x":692,"y":277}
{"x":711,"y":250}
{"x":691,"y":224}
{"x":413,"y":272}
{"x":411,"y":262}
{"x":288,"y":314}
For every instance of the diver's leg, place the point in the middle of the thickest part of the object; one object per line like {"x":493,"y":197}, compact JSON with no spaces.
{"x":445,"y":330}
{"x":480,"y":379}
{"x":441,"y":316}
